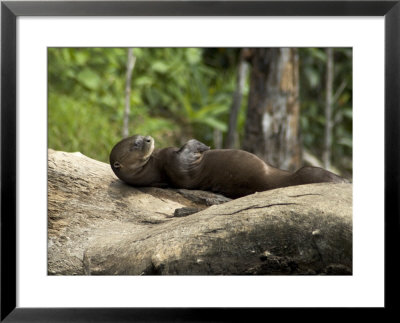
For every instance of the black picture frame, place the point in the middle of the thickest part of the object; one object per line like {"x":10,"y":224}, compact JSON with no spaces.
{"x":10,"y":10}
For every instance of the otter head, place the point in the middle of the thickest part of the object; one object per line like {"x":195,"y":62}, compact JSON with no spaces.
{"x":191,"y":153}
{"x":131,"y":154}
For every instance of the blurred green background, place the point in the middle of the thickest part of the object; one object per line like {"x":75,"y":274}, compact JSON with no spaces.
{"x":178,"y":94}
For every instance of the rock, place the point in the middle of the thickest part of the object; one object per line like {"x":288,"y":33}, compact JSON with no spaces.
{"x":185,"y":211}
{"x":101,"y":226}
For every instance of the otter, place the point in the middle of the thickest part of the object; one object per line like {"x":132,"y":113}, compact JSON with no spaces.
{"x":233,"y":173}
{"x":134,"y":161}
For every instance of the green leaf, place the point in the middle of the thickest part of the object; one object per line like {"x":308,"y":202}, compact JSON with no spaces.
{"x":109,"y":100}
{"x":160,"y":67}
{"x":313,"y":77}
{"x":318,"y":53}
{"x":81,"y":57}
{"x":214,"y":123}
{"x":143,"y":80}
{"x":89,"y":79}
{"x":193,"y":55}
{"x":348,"y":113}
{"x":211,"y":110}
{"x":346,"y":141}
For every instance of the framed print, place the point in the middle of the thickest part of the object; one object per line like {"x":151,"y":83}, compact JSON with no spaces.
{"x":67,"y":66}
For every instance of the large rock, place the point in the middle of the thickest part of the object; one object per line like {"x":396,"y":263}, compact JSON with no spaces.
{"x":99,"y":225}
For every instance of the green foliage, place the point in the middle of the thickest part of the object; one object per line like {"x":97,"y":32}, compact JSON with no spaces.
{"x":178,"y":94}
{"x":175,"y":96}
{"x":85,"y":87}
{"x":312,"y":100}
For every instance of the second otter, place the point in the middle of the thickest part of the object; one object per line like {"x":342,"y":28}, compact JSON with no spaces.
{"x":235,"y":173}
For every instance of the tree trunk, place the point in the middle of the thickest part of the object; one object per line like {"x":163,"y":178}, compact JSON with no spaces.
{"x":130,"y":64}
{"x":231,"y":138}
{"x":272,"y":124}
{"x":97,"y":225}
{"x":328,"y":109}
{"x":217,"y":138}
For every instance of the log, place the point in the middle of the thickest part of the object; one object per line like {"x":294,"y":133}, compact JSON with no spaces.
{"x":97,"y":225}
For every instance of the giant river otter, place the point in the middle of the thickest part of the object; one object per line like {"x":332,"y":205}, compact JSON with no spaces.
{"x":233,"y":173}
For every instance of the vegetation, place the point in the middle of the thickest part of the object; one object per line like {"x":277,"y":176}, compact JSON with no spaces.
{"x":312,"y":101}
{"x":178,"y":94}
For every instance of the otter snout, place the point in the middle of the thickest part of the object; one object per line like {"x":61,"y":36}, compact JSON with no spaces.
{"x":141,"y":142}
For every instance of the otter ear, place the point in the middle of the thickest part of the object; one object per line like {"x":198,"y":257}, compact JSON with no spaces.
{"x":117,"y":165}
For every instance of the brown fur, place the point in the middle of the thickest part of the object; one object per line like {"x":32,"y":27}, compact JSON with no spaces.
{"x":233,"y":173}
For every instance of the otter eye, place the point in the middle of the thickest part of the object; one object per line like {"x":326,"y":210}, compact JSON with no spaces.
{"x":117,"y":165}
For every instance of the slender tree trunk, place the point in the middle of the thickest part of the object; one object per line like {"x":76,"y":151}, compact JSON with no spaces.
{"x":130,"y":64}
{"x":328,"y":109}
{"x":231,"y":138}
{"x":217,"y":137}
{"x":272,"y":123}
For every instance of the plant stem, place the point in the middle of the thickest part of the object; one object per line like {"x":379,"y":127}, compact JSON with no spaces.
{"x":130,"y":64}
